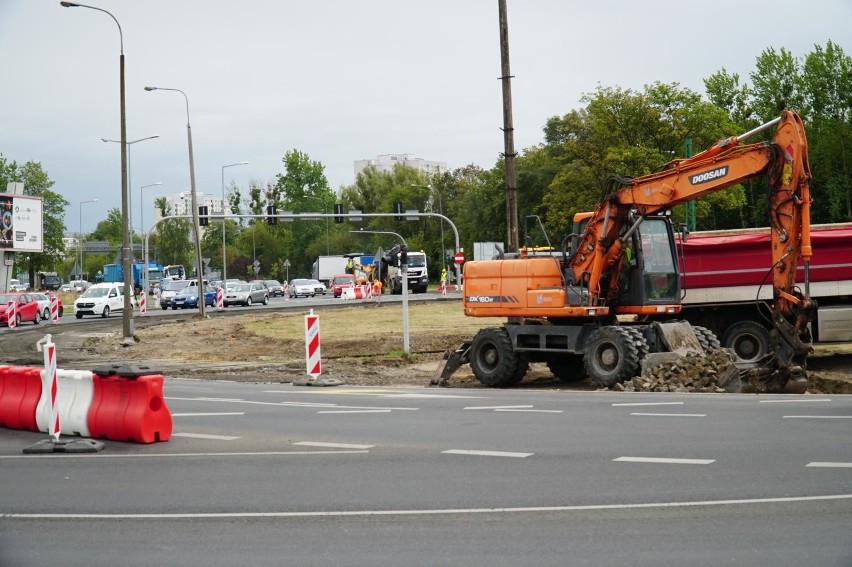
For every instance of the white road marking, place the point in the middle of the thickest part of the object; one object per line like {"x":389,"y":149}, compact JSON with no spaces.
{"x":289,"y":404}
{"x":382,"y":393}
{"x":167,"y":455}
{"x":356,"y":411}
{"x":818,"y":417}
{"x":830,"y":465}
{"x":487,"y":453}
{"x":529,"y":410}
{"x":208,"y":414}
{"x":670,"y":414}
{"x":802,"y":401}
{"x":648,"y":404}
{"x":423,"y":512}
{"x":495,"y":407}
{"x":205,"y":436}
{"x":664,"y":461}
{"x":333,"y":445}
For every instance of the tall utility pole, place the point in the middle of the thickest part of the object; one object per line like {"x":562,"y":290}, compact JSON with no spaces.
{"x":508,"y":134}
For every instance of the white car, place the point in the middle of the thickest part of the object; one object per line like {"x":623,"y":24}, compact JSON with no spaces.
{"x":302,"y":287}
{"x":100,"y":299}
{"x":319,"y":287}
{"x":169,"y":290}
{"x":43,"y":301}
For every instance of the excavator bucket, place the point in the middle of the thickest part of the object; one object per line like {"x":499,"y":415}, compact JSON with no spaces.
{"x":451,"y":362}
{"x":678,"y":337}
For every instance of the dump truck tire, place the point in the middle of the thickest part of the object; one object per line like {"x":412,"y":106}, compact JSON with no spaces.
{"x":568,"y":368}
{"x":748,"y":340}
{"x":706,"y":338}
{"x":493,"y":360}
{"x":611,"y":356}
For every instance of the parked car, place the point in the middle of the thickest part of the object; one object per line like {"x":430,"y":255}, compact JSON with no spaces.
{"x":187,"y":298}
{"x":246,"y":294}
{"x":302,"y":287}
{"x":26,"y":308}
{"x":341,"y":281}
{"x":100,"y":299}
{"x":43,"y":300}
{"x":169,"y":290}
{"x":79,"y":285}
{"x":16,"y":286}
{"x":66,"y":287}
{"x":275,"y":288}
{"x":319,"y":287}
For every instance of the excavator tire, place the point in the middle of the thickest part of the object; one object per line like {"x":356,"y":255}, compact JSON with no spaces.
{"x":611,"y":356}
{"x":493,"y":360}
{"x":639,"y":341}
{"x":568,"y":368}
{"x":706,"y":338}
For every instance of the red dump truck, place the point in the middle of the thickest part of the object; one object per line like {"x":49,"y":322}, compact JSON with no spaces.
{"x":726,"y":280}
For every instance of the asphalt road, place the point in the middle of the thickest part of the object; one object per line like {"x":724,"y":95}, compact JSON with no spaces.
{"x":272,"y":474}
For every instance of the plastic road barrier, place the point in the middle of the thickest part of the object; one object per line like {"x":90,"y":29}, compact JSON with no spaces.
{"x":20,"y":390}
{"x":220,"y":298}
{"x":128,"y":405}
{"x":143,"y":303}
{"x":49,"y":388}
{"x":313,"y":359}
{"x":75,"y":390}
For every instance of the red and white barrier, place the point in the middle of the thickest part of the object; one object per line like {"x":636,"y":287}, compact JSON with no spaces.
{"x":220,"y":298}
{"x":143,"y":303}
{"x":357,"y":292}
{"x":54,"y":309}
{"x":49,"y":386}
{"x":75,"y":392}
{"x":313,"y":360}
{"x":12,"y":314}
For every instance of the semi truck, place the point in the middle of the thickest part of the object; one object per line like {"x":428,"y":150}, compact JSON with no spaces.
{"x":326,"y":267}
{"x":114,"y":273}
{"x":391,"y":273}
{"x":724,"y":278}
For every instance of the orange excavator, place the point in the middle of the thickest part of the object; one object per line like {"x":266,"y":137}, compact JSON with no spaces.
{"x":612,"y":294}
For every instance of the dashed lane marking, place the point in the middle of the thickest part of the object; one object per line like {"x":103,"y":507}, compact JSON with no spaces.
{"x":202,"y":414}
{"x":830,"y":465}
{"x":802,"y":401}
{"x":647,"y":404}
{"x":290,"y":404}
{"x":495,"y":407}
{"x":377,"y":393}
{"x":205,"y":436}
{"x":669,"y":414}
{"x":333,"y":445}
{"x":356,"y":411}
{"x":817,"y":417}
{"x":664,"y":461}
{"x":518,"y":410}
{"x":169,"y":455}
{"x":487,"y":453}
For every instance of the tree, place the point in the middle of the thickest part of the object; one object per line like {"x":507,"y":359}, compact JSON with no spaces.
{"x":172,"y":237}
{"x":109,"y":229}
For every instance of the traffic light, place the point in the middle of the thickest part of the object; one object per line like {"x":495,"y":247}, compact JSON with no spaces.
{"x":203,"y":219}
{"x":397,"y":210}
{"x":338,"y":213}
{"x":271,"y":219}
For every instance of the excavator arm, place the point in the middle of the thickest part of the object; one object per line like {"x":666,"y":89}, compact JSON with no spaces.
{"x":726,"y":163}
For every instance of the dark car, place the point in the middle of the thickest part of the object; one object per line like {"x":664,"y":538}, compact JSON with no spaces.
{"x":275,"y":288}
{"x":187,"y":298}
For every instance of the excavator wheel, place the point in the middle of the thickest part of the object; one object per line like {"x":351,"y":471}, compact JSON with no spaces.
{"x":611,"y":356}
{"x":706,"y":338}
{"x":493,"y":360}
{"x":568,"y":368}
{"x":639,"y":341}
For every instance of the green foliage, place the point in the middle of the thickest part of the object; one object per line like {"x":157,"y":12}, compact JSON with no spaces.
{"x":172,"y":238}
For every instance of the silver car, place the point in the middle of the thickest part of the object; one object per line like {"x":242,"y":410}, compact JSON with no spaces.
{"x":302,"y":287}
{"x":246,"y":294}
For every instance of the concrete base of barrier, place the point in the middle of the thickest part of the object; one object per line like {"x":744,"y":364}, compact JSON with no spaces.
{"x":64,"y":446}
{"x":318,"y":382}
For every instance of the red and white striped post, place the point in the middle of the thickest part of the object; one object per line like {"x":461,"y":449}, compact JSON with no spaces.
{"x":312,"y":345}
{"x":49,"y":384}
{"x":12,"y":314}
{"x":143,"y":303}
{"x":54,"y":309}
{"x":220,"y":298}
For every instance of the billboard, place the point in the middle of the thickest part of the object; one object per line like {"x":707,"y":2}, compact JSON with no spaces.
{"x":21,"y":223}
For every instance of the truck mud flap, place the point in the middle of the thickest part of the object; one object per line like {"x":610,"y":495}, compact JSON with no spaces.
{"x":451,"y":362}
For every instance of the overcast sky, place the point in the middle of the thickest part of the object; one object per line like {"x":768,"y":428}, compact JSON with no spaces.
{"x":342,"y":80}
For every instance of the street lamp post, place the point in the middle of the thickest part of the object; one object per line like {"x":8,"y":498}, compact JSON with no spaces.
{"x":127,"y":314}
{"x":224,"y":212}
{"x":130,"y":176}
{"x":199,"y":264}
{"x":80,"y":274}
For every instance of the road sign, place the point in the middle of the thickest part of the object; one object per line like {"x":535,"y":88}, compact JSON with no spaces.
{"x":459,"y":258}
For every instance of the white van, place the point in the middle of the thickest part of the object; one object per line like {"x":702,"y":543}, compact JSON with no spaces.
{"x":100,"y":299}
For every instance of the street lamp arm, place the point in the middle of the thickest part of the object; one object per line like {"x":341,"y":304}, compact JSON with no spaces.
{"x":76,"y":5}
